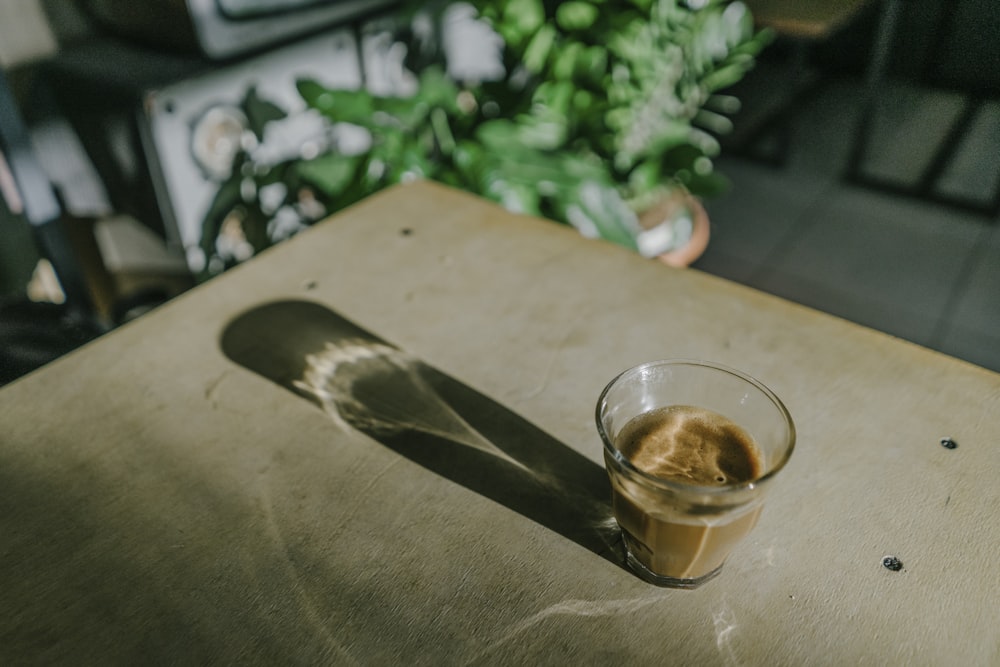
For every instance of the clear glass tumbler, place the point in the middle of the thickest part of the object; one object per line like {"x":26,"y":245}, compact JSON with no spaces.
{"x":679,"y":533}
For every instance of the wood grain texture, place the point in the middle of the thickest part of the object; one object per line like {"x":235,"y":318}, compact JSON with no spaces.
{"x":160,"y":502}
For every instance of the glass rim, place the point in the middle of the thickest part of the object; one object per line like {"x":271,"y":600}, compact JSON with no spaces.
{"x":669,"y":485}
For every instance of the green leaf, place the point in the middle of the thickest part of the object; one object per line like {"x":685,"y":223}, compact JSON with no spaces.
{"x":412,"y":164}
{"x":546,"y":131}
{"x":708,"y":185}
{"x":668,"y":134}
{"x":438,"y":90}
{"x":443,"y":136}
{"x":404,"y":113}
{"x":331,"y":174}
{"x":597,"y":209}
{"x":314,"y":94}
{"x":679,"y":157}
{"x":572,"y":16}
{"x":535,"y":169}
{"x":468,"y":156}
{"x":254,"y":225}
{"x":726,"y":76}
{"x":593,"y":63}
{"x":583,"y":101}
{"x":343,"y":106}
{"x":564,"y":65}
{"x":260,"y":112}
{"x":537,"y":52}
{"x":554,"y":96}
{"x":268,"y":175}
{"x":497,"y":134}
{"x":645,"y":177}
{"x":523,"y":17}
{"x":514,"y":196}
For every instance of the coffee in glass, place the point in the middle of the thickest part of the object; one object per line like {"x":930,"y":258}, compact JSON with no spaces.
{"x":690,"y":449}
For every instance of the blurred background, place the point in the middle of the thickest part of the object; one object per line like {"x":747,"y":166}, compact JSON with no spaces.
{"x":862,"y":162}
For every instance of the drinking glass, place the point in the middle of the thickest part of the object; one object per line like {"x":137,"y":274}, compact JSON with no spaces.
{"x":678,"y":534}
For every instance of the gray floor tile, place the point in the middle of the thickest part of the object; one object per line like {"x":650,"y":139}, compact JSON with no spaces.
{"x":973,"y":346}
{"x":908,"y":125}
{"x":871,"y":248}
{"x":858,"y":307}
{"x":974,"y":173}
{"x":820,"y":123}
{"x":824,"y":127}
{"x":977,"y":308}
{"x":762,"y":208}
{"x":720,"y":263}
{"x":924,"y":272}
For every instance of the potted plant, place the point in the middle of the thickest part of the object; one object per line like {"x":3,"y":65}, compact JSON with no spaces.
{"x":605,"y":117}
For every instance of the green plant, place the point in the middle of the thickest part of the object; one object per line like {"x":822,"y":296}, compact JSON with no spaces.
{"x":604,"y":106}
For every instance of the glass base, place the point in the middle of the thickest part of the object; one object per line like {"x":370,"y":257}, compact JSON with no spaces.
{"x":662,"y":580}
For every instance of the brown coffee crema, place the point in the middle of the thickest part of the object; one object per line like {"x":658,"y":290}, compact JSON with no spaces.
{"x":694,"y":447}
{"x":690,"y":445}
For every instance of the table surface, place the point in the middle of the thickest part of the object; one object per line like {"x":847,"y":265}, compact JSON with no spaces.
{"x":170,"y":492}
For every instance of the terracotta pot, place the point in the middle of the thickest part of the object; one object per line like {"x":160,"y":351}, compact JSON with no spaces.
{"x":667,"y":212}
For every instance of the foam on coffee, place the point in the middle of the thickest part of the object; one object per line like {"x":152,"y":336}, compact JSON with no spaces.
{"x":690,"y":445}
{"x":696,"y":447}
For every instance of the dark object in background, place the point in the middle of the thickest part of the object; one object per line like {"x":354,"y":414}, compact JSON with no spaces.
{"x":31,"y":194}
{"x":222,"y":29}
{"x":33,"y":334}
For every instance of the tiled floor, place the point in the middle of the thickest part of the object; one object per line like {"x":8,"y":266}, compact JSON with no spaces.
{"x":924,"y":272}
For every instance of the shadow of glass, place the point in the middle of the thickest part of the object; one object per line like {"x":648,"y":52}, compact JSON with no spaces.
{"x":428,"y":417}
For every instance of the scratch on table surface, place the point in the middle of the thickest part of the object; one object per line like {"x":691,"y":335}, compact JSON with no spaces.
{"x":725,"y":625}
{"x":580,"y":608}
{"x":559,"y":346}
{"x":769,"y":555}
{"x":212,"y":387}
{"x":361,"y":499}
{"x":371,"y":482}
{"x":308,"y":604}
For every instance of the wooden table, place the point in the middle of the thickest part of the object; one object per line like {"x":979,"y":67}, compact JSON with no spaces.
{"x":161,"y":502}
